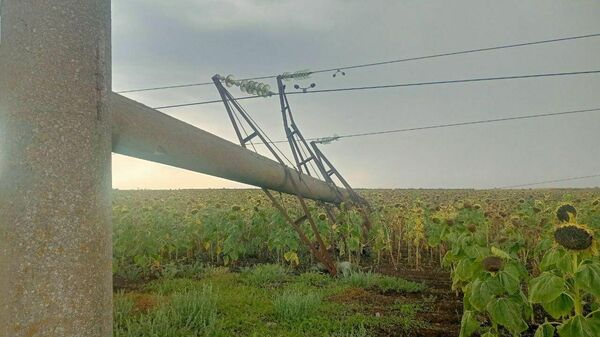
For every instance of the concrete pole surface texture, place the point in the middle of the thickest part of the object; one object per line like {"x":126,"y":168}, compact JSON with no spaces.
{"x":142,"y":132}
{"x":55,"y":174}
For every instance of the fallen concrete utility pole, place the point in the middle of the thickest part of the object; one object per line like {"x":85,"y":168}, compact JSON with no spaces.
{"x":142,"y":132}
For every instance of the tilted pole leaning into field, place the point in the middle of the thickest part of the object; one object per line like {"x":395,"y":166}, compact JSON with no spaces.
{"x":55,"y":168}
{"x":142,"y":132}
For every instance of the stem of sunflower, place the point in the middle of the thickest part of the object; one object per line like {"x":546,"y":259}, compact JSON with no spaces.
{"x":577,"y":298}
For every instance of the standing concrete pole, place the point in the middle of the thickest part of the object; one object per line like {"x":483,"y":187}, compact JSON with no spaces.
{"x":55,"y":177}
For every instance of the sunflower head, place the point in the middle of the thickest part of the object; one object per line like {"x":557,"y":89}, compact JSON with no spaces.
{"x":471,"y":228}
{"x":574,"y":237}
{"x":492,"y":264}
{"x":566,"y":213}
{"x":322,"y":216}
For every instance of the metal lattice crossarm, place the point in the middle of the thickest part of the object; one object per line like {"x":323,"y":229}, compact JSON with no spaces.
{"x":306,"y":155}
{"x":247,"y":129}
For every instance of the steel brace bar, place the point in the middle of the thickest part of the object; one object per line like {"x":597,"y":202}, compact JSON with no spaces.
{"x":297,"y":142}
{"x":233,"y":109}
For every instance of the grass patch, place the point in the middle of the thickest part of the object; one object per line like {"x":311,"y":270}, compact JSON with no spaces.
{"x":210,"y":271}
{"x":122,"y":309}
{"x":189,"y":313}
{"x":194,"y":310}
{"x":293,"y":305}
{"x":314,"y":279}
{"x":265,"y":275}
{"x":359,"y":331}
{"x":383,"y":283}
{"x":260,"y":301}
{"x":169,"y":286}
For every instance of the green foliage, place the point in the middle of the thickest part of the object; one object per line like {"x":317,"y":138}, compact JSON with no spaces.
{"x":545,"y":330}
{"x":580,"y":326}
{"x":570,"y":279}
{"x":314,"y":279}
{"x":122,"y":309}
{"x":382,"y":283}
{"x":194,"y":310}
{"x":179,"y":234}
{"x":189,"y":313}
{"x":169,"y":286}
{"x":545,"y":288}
{"x":468,"y":324}
{"x":508,"y":313}
{"x":265,"y":275}
{"x":587,"y":277}
{"x":560,"y":307}
{"x":359,"y":331}
{"x":293,"y":305}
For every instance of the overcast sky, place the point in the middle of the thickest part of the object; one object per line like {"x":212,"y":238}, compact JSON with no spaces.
{"x":157,"y":42}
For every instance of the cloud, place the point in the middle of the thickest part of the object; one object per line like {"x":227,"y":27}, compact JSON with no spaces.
{"x":171,"y":42}
{"x":223,"y":15}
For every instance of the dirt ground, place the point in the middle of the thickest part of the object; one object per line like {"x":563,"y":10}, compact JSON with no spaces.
{"x":442,"y":307}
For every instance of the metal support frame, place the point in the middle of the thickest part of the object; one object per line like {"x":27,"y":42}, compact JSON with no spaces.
{"x":328,"y":170}
{"x":318,"y":250}
{"x":304,"y":154}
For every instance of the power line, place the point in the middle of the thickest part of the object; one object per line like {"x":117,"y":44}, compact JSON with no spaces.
{"x":551,"y":181}
{"x":387,"y":86}
{"x":439,"y":126}
{"x":450,"y":82}
{"x":202,"y":103}
{"x":458,"y":53}
{"x":468,"y":51}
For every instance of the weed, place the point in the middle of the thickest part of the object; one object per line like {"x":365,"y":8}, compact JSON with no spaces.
{"x":190,"y":313}
{"x":359,"y":331}
{"x":194,"y":310}
{"x":293,"y":305}
{"x":264,"y":275}
{"x":210,"y":270}
{"x":314,"y":279}
{"x":385,"y":284}
{"x":122,"y":308}
{"x":169,"y":286}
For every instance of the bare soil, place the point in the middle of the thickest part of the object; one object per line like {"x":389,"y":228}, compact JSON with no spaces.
{"x":442,"y":307}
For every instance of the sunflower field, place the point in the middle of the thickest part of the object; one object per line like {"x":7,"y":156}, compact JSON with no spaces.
{"x":523,"y":262}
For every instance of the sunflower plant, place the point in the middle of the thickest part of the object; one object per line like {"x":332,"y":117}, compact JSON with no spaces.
{"x":494,"y":299}
{"x":568,"y":287}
